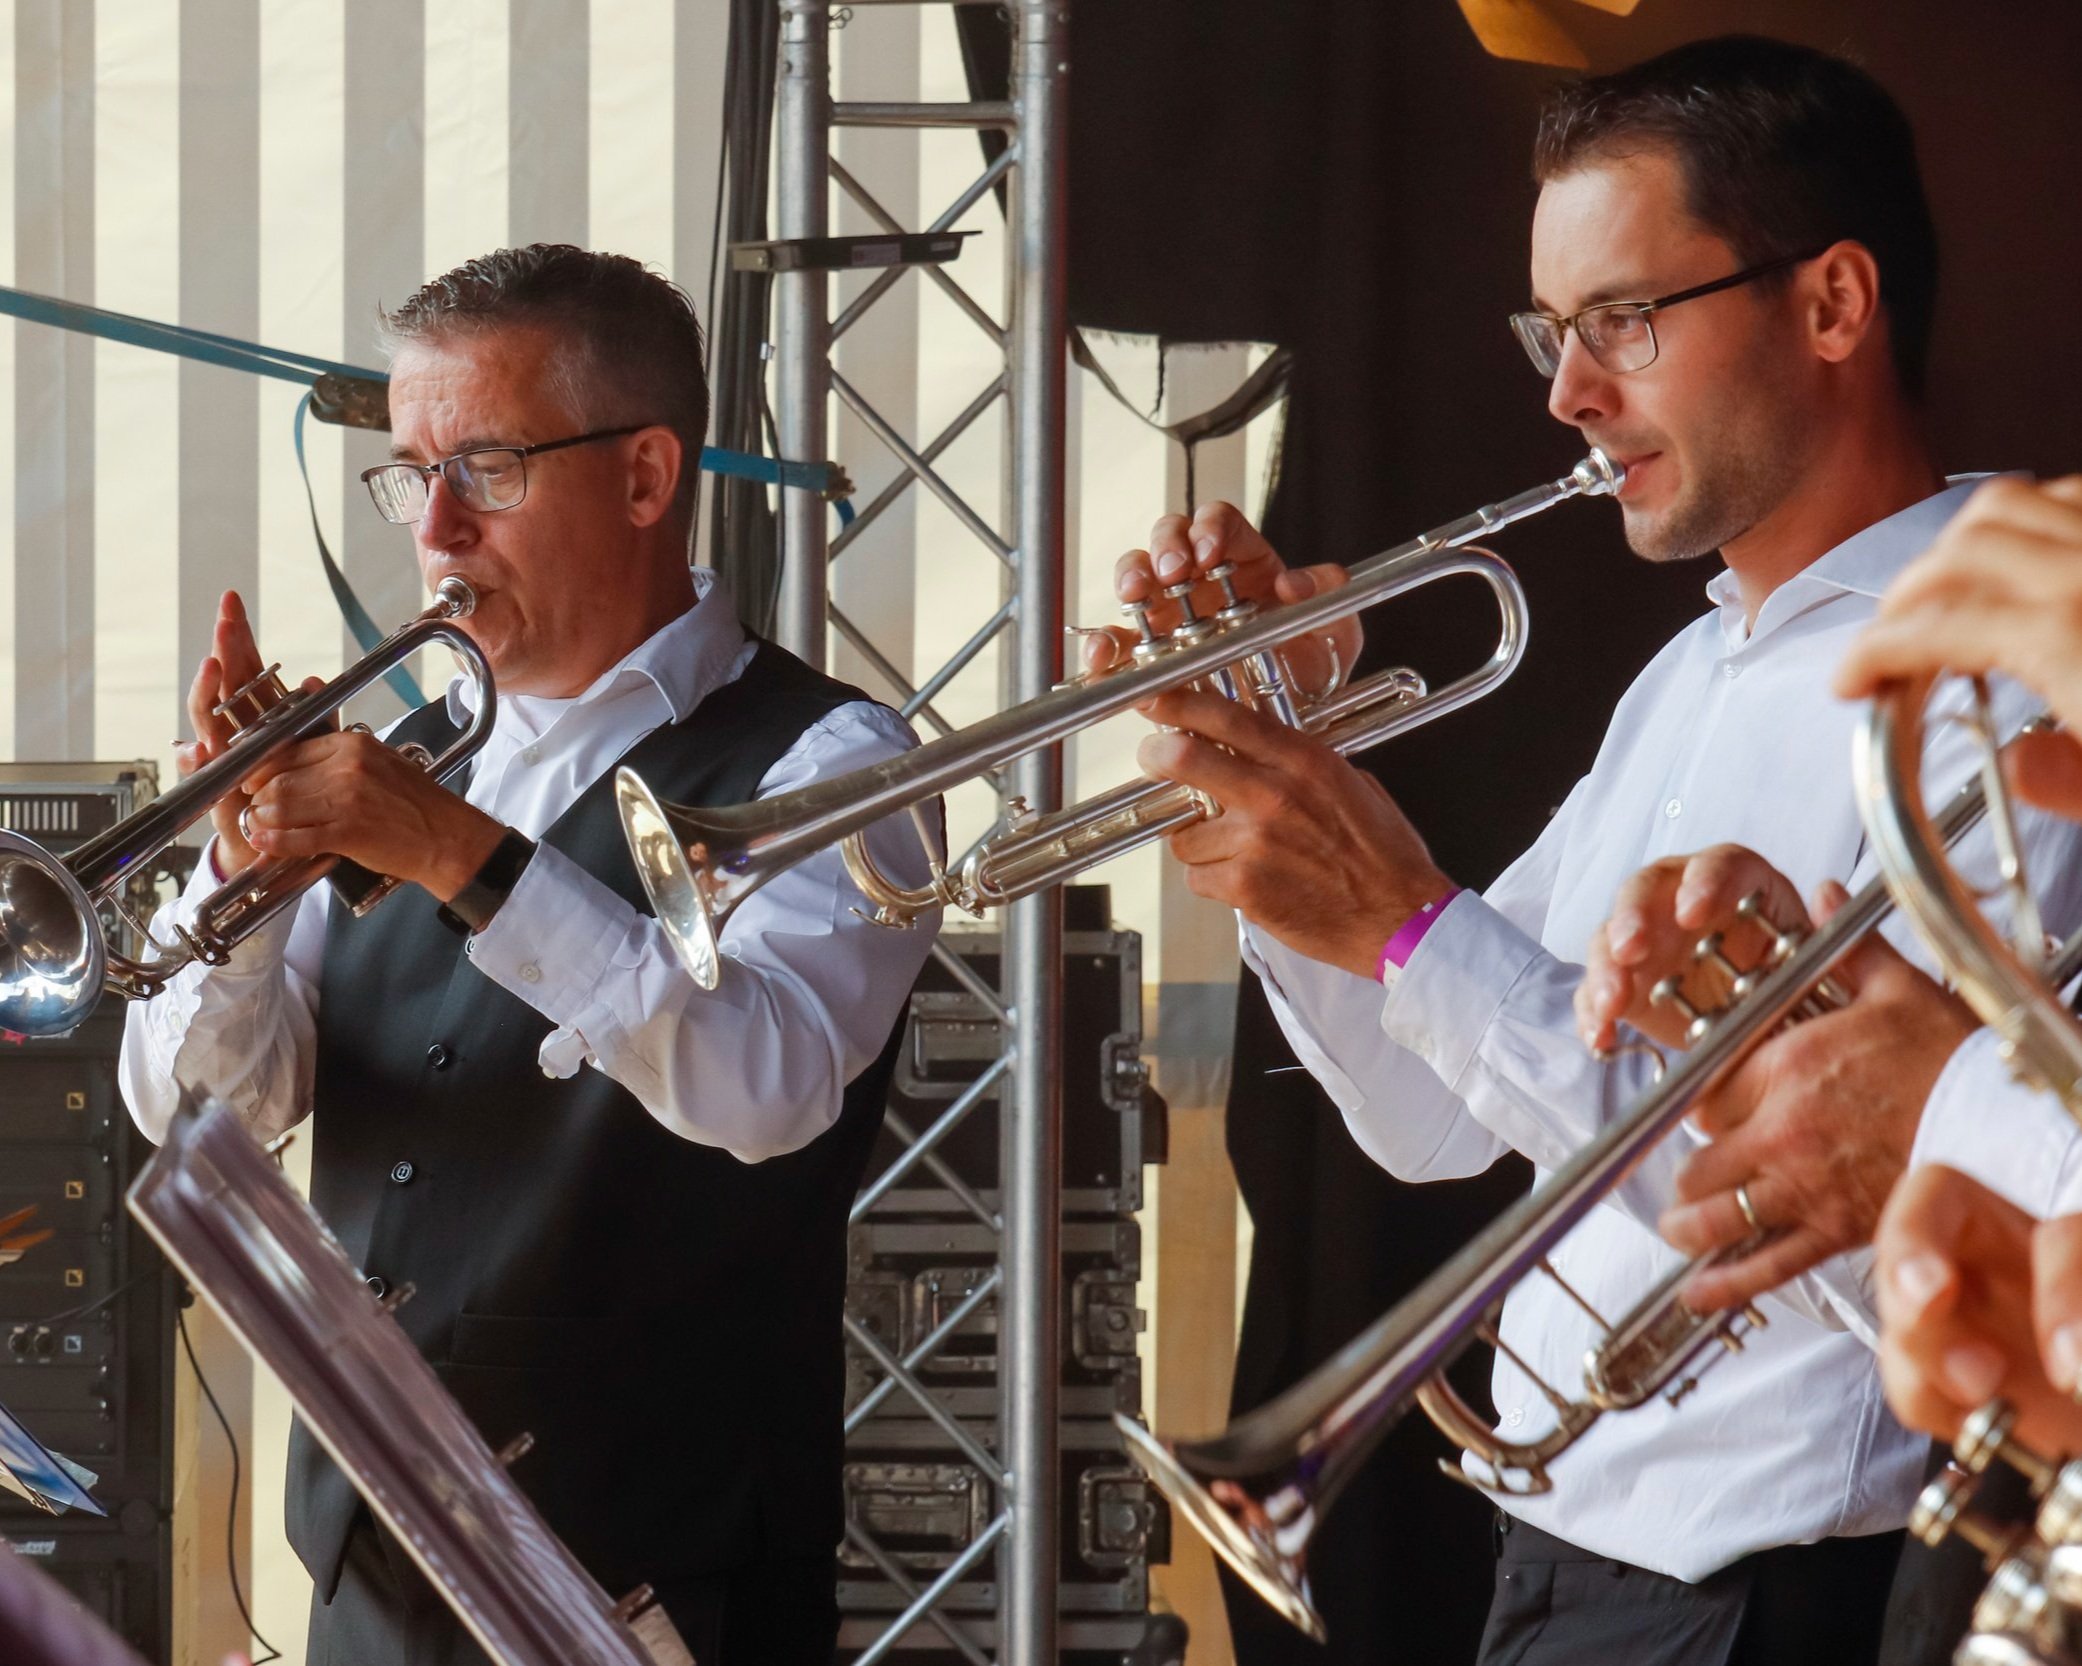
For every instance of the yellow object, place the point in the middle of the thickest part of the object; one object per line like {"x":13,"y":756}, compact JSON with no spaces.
{"x":1528,"y":31}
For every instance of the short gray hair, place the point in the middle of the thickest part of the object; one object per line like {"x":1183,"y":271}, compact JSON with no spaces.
{"x":628,"y":343}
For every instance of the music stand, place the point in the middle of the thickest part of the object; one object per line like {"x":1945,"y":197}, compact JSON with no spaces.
{"x":244,"y":1238}
{"x":32,"y":1470}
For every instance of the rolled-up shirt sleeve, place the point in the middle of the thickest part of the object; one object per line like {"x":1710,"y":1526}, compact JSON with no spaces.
{"x":810,"y":988}
{"x":245,"y":1031}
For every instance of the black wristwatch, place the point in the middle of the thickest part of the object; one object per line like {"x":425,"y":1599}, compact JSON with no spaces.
{"x":471,"y":909}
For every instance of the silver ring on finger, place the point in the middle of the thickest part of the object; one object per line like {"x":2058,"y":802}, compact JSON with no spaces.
{"x":246,"y":827}
{"x":1749,"y":1209}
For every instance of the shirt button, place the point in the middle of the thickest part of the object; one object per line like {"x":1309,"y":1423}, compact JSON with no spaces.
{"x":438,"y":1056}
{"x":1674,"y":808}
{"x":401,"y":1172}
{"x":377,"y":1287}
{"x":531,"y":973}
{"x":531,"y":755}
{"x":1514,"y":1417}
{"x":1730,"y":670}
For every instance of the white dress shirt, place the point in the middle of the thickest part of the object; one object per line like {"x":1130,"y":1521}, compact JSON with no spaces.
{"x":2018,"y":1140}
{"x":1730,"y":734}
{"x":757,"y":1066}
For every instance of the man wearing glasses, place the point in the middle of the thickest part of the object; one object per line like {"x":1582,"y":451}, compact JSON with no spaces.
{"x":619,"y":1200}
{"x":1733,"y":274}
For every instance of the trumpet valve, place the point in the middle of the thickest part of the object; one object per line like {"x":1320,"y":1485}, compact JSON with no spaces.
{"x":1736,"y":1325}
{"x":2017,"y":1601}
{"x":1712,"y":951}
{"x":1234,"y":610}
{"x":1945,"y":1507}
{"x":252,"y":700}
{"x":1985,"y":1437}
{"x":2060,"y":1512}
{"x":2063,"y":1574}
{"x":1670,"y":993}
{"x":1192,"y":630}
{"x":1783,"y":942}
{"x":1149,"y":645}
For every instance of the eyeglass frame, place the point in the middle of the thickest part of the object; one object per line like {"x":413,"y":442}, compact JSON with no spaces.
{"x":427,"y":471}
{"x":1565,"y":325}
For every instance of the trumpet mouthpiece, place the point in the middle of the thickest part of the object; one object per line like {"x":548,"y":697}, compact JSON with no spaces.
{"x":1598,"y":475}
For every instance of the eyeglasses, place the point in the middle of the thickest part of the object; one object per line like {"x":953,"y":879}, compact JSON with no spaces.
{"x":1620,"y":335}
{"x":495,"y":477}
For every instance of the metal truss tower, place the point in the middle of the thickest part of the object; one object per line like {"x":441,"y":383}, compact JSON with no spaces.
{"x":1024,"y":1529}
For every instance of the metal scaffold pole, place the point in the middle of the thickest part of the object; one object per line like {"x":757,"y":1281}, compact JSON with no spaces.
{"x":1016,"y":1446}
{"x":1032,"y":1348}
{"x":802,"y":317}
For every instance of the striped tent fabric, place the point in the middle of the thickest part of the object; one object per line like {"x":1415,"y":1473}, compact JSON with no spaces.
{"x":275,"y":170}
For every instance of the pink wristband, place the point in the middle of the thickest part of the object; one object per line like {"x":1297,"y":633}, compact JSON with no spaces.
{"x":1397,"y":950}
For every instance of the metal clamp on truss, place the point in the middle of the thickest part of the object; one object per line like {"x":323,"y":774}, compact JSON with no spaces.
{"x":351,"y":401}
{"x":848,"y":254}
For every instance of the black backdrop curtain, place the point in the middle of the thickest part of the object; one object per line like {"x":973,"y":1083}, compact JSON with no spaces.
{"x":1349,"y":177}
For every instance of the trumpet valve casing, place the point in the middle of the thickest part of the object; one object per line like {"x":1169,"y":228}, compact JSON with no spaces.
{"x":1945,"y":1508}
{"x":1985,"y":1438}
{"x":2063,"y":1574}
{"x":2007,"y":1649}
{"x":252,"y":699}
{"x":2019,"y":1604}
{"x":2060,"y":1512}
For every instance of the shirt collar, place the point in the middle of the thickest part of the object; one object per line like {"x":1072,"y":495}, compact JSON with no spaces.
{"x":1864,"y":564}
{"x":684,"y":661}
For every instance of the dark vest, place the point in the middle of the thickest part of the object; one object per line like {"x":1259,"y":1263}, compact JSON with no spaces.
{"x":663,"y":1317}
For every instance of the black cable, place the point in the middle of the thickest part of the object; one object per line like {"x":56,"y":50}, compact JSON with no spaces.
{"x":87,"y":1308}
{"x":231,"y":1520}
{"x":715,"y":230}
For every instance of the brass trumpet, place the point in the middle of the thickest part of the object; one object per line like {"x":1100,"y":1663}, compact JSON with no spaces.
{"x":55,"y":959}
{"x":698,"y":864}
{"x":1258,"y":1491}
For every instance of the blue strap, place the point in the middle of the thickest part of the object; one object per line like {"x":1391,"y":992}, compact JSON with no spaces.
{"x":180,"y":339}
{"x":366,"y":631}
{"x":207,"y":347}
{"x":810,"y":477}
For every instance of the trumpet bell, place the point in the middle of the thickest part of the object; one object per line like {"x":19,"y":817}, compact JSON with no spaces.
{"x":1240,"y":1531}
{"x":52,"y":954}
{"x":675,"y":876}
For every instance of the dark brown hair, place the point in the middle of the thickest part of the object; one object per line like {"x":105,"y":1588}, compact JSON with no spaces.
{"x":1783,"y":149}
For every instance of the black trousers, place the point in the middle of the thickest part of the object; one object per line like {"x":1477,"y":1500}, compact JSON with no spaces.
{"x":385,"y":1613}
{"x":1795,"y":1605}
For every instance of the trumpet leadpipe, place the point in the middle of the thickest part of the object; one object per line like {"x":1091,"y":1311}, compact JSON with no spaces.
{"x":698,"y":864}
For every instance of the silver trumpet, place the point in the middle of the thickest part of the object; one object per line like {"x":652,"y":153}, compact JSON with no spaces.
{"x":1258,"y":1490}
{"x":2013,"y":986}
{"x":699,"y":864}
{"x":55,"y":958}
{"x":2031,"y":1612}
